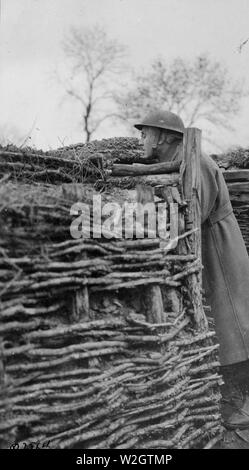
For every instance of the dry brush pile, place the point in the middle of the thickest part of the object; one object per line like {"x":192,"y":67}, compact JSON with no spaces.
{"x":99,"y":339}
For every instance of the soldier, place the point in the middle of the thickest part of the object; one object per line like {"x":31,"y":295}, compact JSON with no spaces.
{"x":224,"y":255}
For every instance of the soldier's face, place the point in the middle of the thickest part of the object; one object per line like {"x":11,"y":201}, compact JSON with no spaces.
{"x":149,"y":139}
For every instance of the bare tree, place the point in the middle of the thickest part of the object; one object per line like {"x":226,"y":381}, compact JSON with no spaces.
{"x":201,"y":90}
{"x":95,"y":62}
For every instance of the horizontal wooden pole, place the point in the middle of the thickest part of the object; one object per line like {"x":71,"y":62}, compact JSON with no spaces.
{"x":236,"y":175}
{"x":242,"y":187}
{"x":239,"y":198}
{"x":152,"y":180}
{"x":138,"y":169}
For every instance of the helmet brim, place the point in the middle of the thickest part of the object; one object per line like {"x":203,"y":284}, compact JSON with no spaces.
{"x":171,"y":129}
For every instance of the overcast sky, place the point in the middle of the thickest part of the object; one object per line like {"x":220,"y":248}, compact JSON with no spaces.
{"x":31,"y":50}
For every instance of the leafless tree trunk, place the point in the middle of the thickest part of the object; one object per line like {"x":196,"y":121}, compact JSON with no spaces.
{"x":95,"y":60}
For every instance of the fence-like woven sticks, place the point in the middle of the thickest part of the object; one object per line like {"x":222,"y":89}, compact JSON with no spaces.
{"x":83,"y":364}
{"x":149,"y":391}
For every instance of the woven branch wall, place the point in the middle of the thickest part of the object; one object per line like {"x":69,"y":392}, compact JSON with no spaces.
{"x":103,"y":341}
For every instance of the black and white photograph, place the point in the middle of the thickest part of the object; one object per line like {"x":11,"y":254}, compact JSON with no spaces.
{"x":124,"y":229}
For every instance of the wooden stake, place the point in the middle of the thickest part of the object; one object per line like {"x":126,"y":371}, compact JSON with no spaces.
{"x":152,"y":294}
{"x":191,"y":185}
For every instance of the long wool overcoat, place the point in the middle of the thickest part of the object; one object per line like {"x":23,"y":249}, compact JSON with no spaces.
{"x":226,"y":266}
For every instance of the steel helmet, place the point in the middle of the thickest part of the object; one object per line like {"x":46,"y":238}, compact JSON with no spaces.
{"x":163,"y":120}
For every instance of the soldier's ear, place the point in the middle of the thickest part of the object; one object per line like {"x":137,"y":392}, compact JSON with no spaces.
{"x":162,"y":138}
{"x":171,"y":138}
{"x":165,"y":137}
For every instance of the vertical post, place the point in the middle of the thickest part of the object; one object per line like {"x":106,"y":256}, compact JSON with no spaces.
{"x":153,"y":301}
{"x":80,"y":302}
{"x":4,"y":435}
{"x":191,"y":186}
